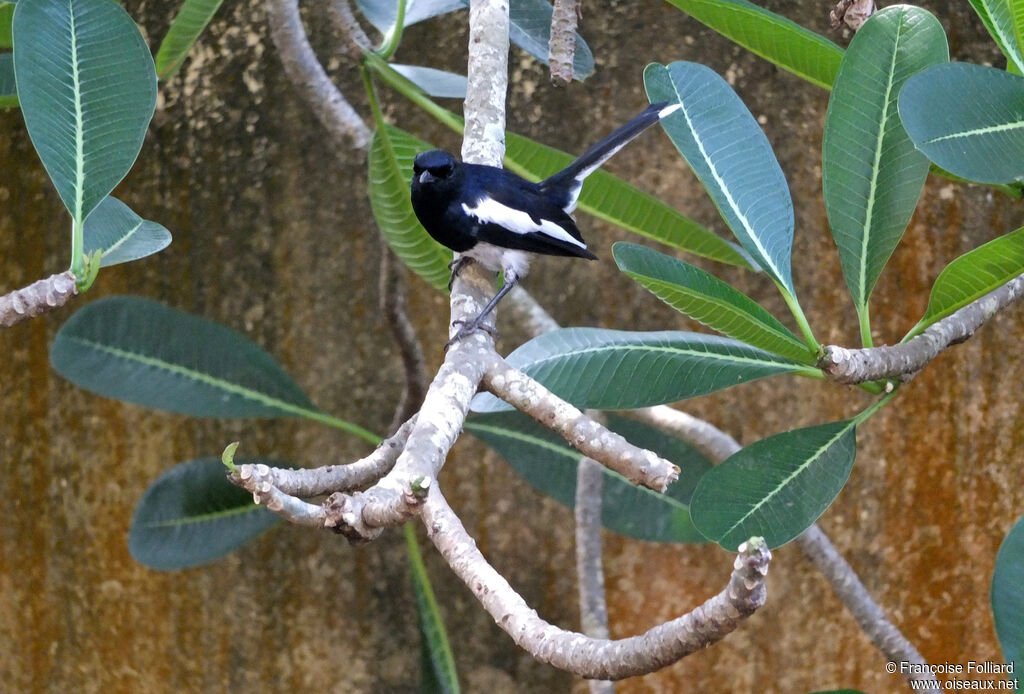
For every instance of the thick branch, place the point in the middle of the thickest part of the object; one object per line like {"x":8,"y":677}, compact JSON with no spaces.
{"x":590,"y":438}
{"x":309,"y":77}
{"x":37,"y":298}
{"x":588,"y":657}
{"x":562,"y":43}
{"x":487,"y":82}
{"x":904,"y":360}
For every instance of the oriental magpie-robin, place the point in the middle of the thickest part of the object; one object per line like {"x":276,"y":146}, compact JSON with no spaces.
{"x":498,"y":218}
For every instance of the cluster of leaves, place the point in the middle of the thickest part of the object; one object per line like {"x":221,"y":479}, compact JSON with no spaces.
{"x":890,"y":114}
{"x":86,"y":83}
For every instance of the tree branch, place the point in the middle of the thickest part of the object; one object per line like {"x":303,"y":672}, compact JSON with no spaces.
{"x":37,"y":298}
{"x":309,"y":77}
{"x":590,"y":438}
{"x":392,"y":308}
{"x":345,"y":23}
{"x":815,"y":544}
{"x":886,"y":637}
{"x":904,"y":360}
{"x":588,"y":657}
{"x":308,"y":482}
{"x":589,"y":571}
{"x":562,"y":42}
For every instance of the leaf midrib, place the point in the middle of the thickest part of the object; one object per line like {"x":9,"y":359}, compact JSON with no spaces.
{"x":201,"y":518}
{"x":790,"y":477}
{"x":196,"y":375}
{"x":873,"y":190}
{"x":583,"y":351}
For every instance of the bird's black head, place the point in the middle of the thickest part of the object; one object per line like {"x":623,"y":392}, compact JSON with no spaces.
{"x":435,"y":168}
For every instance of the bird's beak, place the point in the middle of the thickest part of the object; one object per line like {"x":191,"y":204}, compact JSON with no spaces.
{"x":426,"y":177}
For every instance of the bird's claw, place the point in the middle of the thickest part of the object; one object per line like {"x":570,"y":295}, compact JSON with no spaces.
{"x":456,"y":266}
{"x":468,"y":328}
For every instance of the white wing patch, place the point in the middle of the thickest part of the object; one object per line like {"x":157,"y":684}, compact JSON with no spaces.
{"x":669,"y":110}
{"x":519,"y":222}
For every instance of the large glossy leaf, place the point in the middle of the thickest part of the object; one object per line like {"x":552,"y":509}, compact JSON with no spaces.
{"x":610,"y":198}
{"x":621,"y":370}
{"x":549,"y":464}
{"x":87,"y":88}
{"x":776,"y":39}
{"x":731,"y":156}
{"x":1007,"y":597}
{"x":186,"y":27}
{"x":390,"y":169}
{"x":872,"y":174}
{"x":997,"y":17}
{"x":972,"y":276}
{"x":121,"y":234}
{"x":143,"y":352}
{"x":776,"y":487}
{"x":529,"y":20}
{"x":192,"y":515}
{"x":436,"y":83}
{"x":439,"y":672}
{"x":8,"y":91}
{"x":707,"y":299}
{"x":968,"y":119}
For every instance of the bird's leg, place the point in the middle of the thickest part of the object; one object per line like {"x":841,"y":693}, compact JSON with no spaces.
{"x":468,"y":327}
{"x":456,"y":266}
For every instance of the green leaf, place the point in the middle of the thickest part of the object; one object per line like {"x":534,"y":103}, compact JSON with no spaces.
{"x":8,"y":91}
{"x":872,"y":174}
{"x":436,"y":83}
{"x":730,"y":155}
{"x":121,"y":234}
{"x":186,"y":27}
{"x":192,"y":515}
{"x":6,"y":14}
{"x":776,"y":487}
{"x":972,"y":276}
{"x":998,"y":19}
{"x":968,"y":119}
{"x":621,"y":370}
{"x":1007,"y":598}
{"x":440,"y":675}
{"x":610,"y":198}
{"x":776,"y":39}
{"x":707,"y":299}
{"x":550,"y":465}
{"x":88,"y":89}
{"x":390,"y":169}
{"x":143,"y":352}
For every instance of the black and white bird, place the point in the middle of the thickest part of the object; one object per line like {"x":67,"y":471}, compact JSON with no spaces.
{"x":498,"y":218}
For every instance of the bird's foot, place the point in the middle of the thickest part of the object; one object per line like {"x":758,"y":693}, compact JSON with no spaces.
{"x":468,"y":328}
{"x":456,"y":266}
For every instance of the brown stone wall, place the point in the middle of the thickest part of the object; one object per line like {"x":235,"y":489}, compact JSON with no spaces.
{"x":273,"y":237}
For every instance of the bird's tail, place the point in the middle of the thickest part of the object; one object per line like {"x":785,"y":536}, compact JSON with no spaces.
{"x":564,"y":187}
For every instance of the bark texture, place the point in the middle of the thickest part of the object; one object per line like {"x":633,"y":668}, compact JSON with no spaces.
{"x":272,"y":237}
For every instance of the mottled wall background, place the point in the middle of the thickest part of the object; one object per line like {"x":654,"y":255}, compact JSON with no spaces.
{"x":273,"y":237}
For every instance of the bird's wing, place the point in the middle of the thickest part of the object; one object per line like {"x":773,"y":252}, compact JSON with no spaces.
{"x":516,"y":216}
{"x":564,"y":187}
